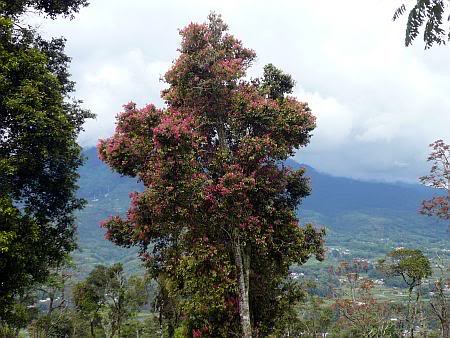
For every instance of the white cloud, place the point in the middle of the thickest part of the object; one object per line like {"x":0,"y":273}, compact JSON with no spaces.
{"x":106,"y":85}
{"x":334,"y":120}
{"x":378,"y":103}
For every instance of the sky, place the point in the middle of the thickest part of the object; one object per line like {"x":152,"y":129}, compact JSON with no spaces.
{"x":378,"y":104}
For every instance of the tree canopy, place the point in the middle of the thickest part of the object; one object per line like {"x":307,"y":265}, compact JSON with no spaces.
{"x":53,"y":8}
{"x":39,"y":156}
{"x":410,"y":264}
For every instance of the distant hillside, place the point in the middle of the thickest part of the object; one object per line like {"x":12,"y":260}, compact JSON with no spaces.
{"x":330,"y":193}
{"x":365,"y":218}
{"x":107,"y":194}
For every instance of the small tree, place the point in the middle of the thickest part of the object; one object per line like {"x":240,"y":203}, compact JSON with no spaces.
{"x":351,"y":271}
{"x":54,"y":297}
{"x":122,"y":298}
{"x":89,"y":296}
{"x":365,"y":316}
{"x":22,"y":311}
{"x":440,"y":300}
{"x":413,"y":267}
{"x":54,"y":288}
{"x":359,"y":312}
{"x":311,"y":317}
{"x":108,"y":298}
{"x":439,"y":178}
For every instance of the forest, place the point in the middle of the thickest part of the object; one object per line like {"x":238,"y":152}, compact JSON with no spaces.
{"x":194,"y":217}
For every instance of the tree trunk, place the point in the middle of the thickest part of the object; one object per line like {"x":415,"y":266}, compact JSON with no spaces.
{"x":92,"y":329}
{"x":242,"y":259}
{"x":445,"y":329}
{"x":408,"y":313}
{"x":50,"y":305}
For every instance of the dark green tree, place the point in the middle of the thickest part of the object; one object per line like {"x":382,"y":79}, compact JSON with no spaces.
{"x":89,"y":296}
{"x":19,"y":315}
{"x":49,"y":8}
{"x":39,"y":156}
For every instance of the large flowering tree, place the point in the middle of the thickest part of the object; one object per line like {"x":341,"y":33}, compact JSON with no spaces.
{"x":217,"y":217}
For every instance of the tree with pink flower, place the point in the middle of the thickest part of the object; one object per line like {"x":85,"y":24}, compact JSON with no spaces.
{"x":217,"y":219}
{"x":439,"y":178}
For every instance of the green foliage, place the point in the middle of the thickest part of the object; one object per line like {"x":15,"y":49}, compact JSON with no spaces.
{"x":59,"y":323}
{"x":431,"y":14}
{"x":39,"y":155}
{"x":15,"y":8}
{"x":275,"y":83}
{"x":20,"y":313}
{"x":410,"y":264}
{"x":56,"y":285}
{"x":147,"y":327}
{"x":309,"y":318}
{"x":43,"y":304}
{"x":413,"y":266}
{"x":108,"y":298}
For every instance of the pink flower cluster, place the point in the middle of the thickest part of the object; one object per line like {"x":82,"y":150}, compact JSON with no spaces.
{"x":199,"y":332}
{"x":251,"y":222}
{"x":230,"y":68}
{"x":438,"y":206}
{"x":196,"y":333}
{"x":172,"y":128}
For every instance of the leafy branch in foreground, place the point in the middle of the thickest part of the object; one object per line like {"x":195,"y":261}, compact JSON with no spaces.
{"x":433,"y":15}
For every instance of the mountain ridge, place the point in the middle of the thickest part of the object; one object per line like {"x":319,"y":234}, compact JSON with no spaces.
{"x":365,"y":217}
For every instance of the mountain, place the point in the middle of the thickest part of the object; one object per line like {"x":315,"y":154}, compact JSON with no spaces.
{"x":363,"y":219}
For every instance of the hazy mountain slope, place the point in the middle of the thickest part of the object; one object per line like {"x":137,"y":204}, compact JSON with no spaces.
{"x":331,"y":193}
{"x":370,"y":218}
{"x":107,"y":194}
{"x":367,"y":218}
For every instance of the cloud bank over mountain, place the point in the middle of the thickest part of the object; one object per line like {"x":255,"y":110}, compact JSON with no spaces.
{"x":378,"y":104}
